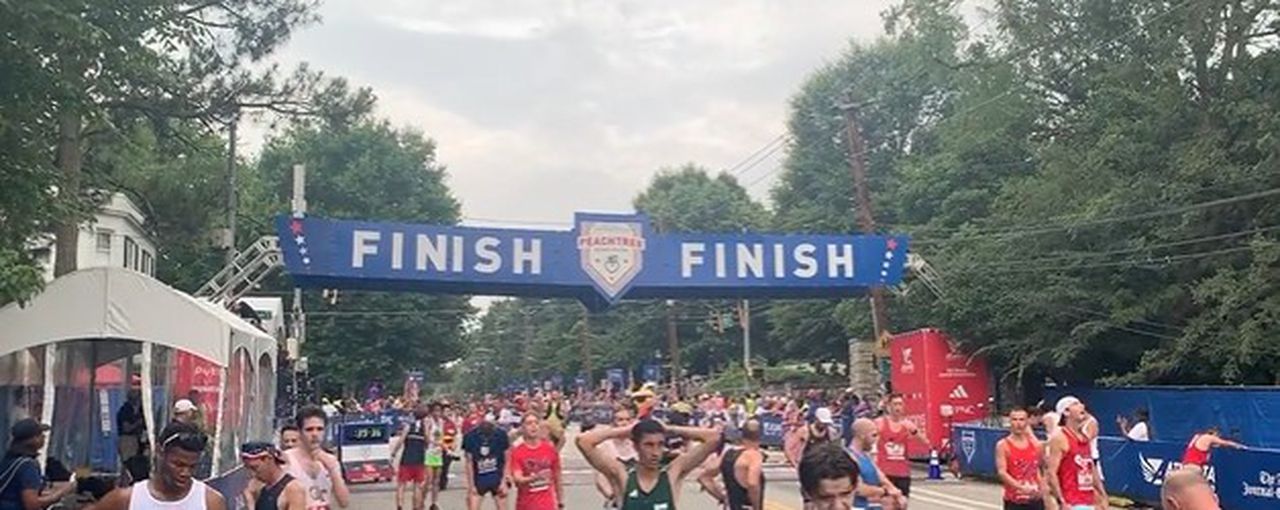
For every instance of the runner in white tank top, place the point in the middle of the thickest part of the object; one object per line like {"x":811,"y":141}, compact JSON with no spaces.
{"x":172,"y":485}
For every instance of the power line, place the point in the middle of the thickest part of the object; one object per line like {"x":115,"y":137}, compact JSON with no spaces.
{"x":736,"y":168}
{"x":1171,"y":244}
{"x":1047,"y":228}
{"x":1131,"y":262}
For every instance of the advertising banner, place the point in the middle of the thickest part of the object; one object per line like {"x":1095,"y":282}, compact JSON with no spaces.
{"x":202,"y":376}
{"x":602,"y":260}
{"x":941,"y":384}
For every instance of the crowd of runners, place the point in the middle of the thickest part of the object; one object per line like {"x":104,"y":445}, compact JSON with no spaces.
{"x":643,"y":449}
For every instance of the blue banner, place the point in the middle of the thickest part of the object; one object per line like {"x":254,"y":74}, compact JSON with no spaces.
{"x":617,"y":377}
{"x":1177,"y":413}
{"x":771,"y":430}
{"x":602,"y":260}
{"x":652,"y":373}
{"x":1243,"y":479}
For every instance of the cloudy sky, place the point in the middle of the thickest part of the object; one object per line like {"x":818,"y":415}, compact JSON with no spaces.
{"x":542,"y":108}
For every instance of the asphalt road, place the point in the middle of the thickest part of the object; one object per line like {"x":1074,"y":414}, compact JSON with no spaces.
{"x":782,"y":492}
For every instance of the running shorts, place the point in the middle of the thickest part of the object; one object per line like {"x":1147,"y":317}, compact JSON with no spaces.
{"x":903,"y":483}
{"x":411,"y":473}
{"x":435,"y":459}
{"x":1037,"y":504}
{"x":486,"y":487}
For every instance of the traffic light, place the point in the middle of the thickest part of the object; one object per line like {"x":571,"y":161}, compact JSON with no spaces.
{"x":330,"y":295}
{"x":717,"y":322}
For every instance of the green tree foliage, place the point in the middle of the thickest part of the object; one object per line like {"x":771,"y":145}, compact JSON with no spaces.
{"x":1055,"y":172}
{"x":360,"y":167}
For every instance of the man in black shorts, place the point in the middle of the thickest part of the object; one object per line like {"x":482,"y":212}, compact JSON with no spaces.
{"x":486,"y":459}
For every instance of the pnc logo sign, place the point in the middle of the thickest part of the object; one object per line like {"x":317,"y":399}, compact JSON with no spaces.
{"x":611,"y":253}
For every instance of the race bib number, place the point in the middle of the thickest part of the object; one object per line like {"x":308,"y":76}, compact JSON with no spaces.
{"x":895,"y":451}
{"x":1084,"y":476}
{"x":487,"y":465}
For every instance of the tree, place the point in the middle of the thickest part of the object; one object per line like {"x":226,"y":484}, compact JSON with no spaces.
{"x":361,"y":167}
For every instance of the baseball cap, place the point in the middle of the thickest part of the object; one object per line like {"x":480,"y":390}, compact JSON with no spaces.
{"x":823,"y":415}
{"x":27,"y":429}
{"x":261,"y":450}
{"x":1066,"y":402}
{"x":183,"y":406}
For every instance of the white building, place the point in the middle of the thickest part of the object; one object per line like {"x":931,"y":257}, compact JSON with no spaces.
{"x":116,"y":237}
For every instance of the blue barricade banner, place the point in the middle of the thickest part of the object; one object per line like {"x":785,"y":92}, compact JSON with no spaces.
{"x":1177,"y":413}
{"x":771,"y":430}
{"x":603,"y":259}
{"x":1243,"y":479}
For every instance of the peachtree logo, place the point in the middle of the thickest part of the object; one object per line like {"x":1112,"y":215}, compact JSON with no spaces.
{"x":1155,"y":470}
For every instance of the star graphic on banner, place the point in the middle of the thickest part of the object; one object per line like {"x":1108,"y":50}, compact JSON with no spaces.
{"x":300,"y":240}
{"x":891,"y":244}
{"x":295,"y":226}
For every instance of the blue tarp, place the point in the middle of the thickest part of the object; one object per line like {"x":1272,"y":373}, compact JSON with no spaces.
{"x":1247,"y":415}
{"x":1243,"y":479}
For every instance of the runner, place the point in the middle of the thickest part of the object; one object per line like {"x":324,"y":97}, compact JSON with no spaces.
{"x":1201,"y":446}
{"x":828,"y":478}
{"x":484,"y":466}
{"x":554,"y":416}
{"x":743,"y":470}
{"x":316,"y":469}
{"x":617,"y":448}
{"x":808,"y":436}
{"x":412,"y":448}
{"x":290,"y":437}
{"x":891,"y":451}
{"x":1074,"y":480}
{"x":875,"y":490}
{"x":448,"y":443}
{"x":173,"y":486}
{"x":649,"y":439}
{"x":1018,"y":465}
{"x":434,"y":455}
{"x":276,"y":489}
{"x":1186,"y":489}
{"x":535,"y":469}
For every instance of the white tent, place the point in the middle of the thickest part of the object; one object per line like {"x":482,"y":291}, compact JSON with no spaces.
{"x":114,"y":304}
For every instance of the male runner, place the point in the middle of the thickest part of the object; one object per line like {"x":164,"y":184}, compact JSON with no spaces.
{"x":412,"y":448}
{"x":434,"y":433}
{"x":1186,"y":489}
{"x":554,"y":414}
{"x":316,"y":469}
{"x":173,"y":485}
{"x":875,"y":489}
{"x":290,"y":437}
{"x":1202,"y":445}
{"x":535,"y":469}
{"x":742,"y":469}
{"x":1018,"y":465}
{"x":1074,"y":480}
{"x":617,"y":448}
{"x":828,"y":478}
{"x":449,"y":439}
{"x":485,"y":462}
{"x":822,"y":430}
{"x":276,"y":489}
{"x":891,"y":451}
{"x":649,"y":485}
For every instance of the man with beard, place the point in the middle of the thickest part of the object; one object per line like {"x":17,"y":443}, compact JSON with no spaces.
{"x":485,"y":462}
{"x":173,"y":485}
{"x":275,"y":489}
{"x":650,"y":484}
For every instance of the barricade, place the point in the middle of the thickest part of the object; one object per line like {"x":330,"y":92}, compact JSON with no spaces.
{"x":1243,"y":479}
{"x":1177,"y":412}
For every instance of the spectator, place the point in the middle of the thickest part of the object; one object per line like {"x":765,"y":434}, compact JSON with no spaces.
{"x":1139,"y":430}
{"x":1186,"y":489}
{"x":20,"y":478}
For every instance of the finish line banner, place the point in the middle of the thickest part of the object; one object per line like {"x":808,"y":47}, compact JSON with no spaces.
{"x":604,"y":259}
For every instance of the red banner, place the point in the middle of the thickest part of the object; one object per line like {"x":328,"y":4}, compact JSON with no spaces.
{"x":942,"y":384}
{"x":202,"y":376}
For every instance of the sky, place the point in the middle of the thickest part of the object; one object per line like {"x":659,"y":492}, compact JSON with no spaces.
{"x":547,"y":107}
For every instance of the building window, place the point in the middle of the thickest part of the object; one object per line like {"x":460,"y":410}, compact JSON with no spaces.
{"x":104,"y":240}
{"x":148,"y":263}
{"x":131,"y":259}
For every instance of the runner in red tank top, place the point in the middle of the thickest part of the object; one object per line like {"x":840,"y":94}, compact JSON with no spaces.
{"x":891,"y":450}
{"x":1075,"y":481}
{"x":1201,"y":446}
{"x":1018,"y":465}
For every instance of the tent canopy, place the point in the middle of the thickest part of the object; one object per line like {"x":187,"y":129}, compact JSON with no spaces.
{"x":118,"y":303}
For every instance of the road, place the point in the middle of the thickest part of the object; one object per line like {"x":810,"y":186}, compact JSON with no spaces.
{"x":782,"y":492}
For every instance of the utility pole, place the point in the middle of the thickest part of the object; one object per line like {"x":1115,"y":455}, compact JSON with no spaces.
{"x":232,"y":199}
{"x":299,"y":207}
{"x":863,"y":367}
{"x":584,"y":336}
{"x":745,"y":318}
{"x":673,"y":345}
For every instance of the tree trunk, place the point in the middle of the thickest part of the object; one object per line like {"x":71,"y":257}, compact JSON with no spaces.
{"x":67,"y":231}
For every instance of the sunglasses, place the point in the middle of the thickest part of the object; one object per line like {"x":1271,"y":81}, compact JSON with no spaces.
{"x":259,"y":450}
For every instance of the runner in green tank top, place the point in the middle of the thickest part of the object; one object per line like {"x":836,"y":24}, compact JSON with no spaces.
{"x":648,"y":486}
{"x":659,"y":497}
